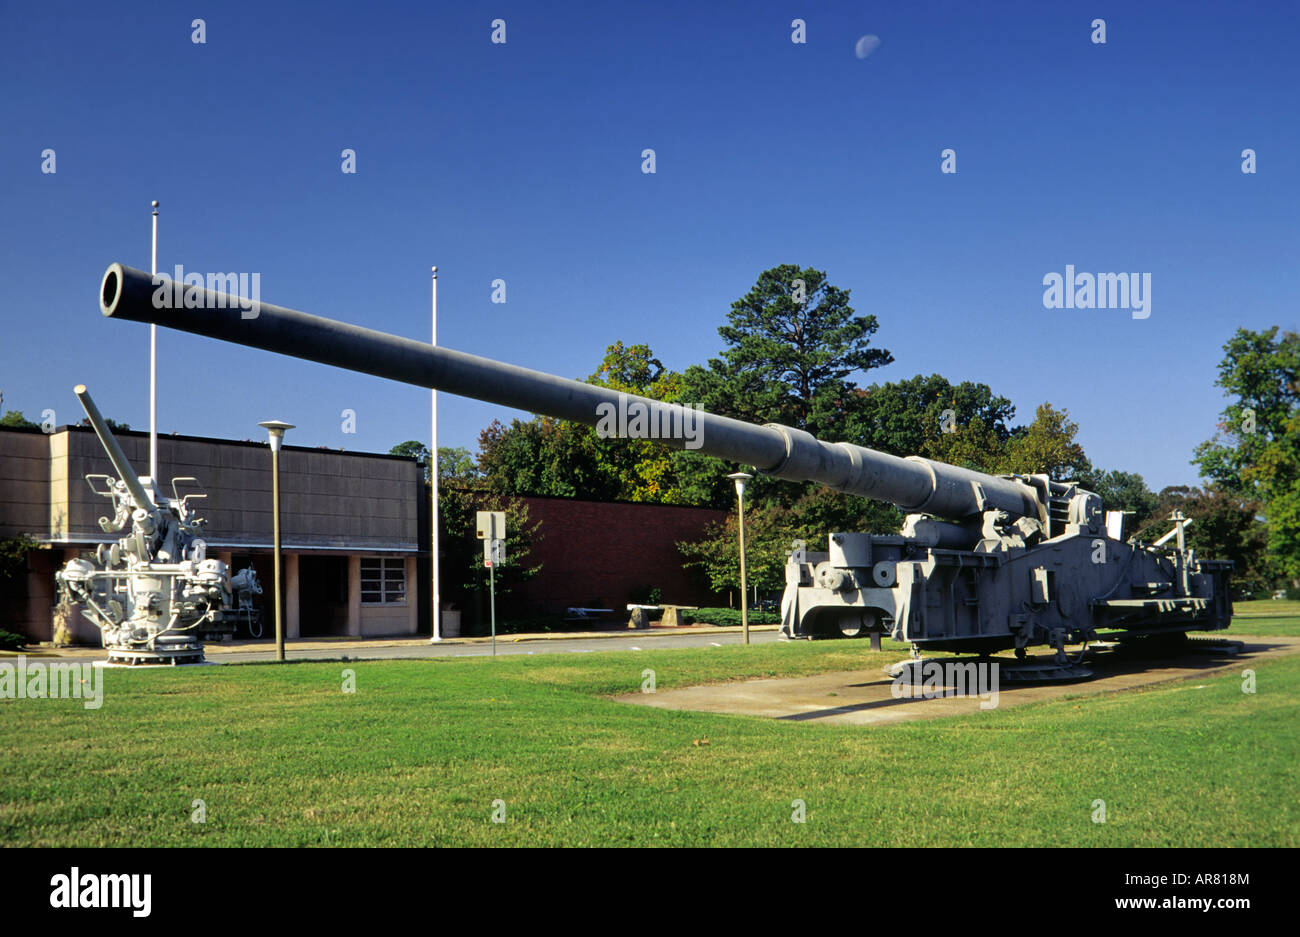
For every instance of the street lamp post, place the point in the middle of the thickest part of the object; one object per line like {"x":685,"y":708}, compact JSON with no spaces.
{"x":740,"y":478}
{"x":153,"y":364}
{"x":275,"y":429}
{"x":435,"y":599}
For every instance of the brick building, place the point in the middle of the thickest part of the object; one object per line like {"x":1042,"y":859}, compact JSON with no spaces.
{"x":349,"y":524}
{"x":354,"y":529}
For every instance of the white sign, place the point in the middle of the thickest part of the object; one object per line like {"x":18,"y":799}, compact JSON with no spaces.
{"x":491,"y":525}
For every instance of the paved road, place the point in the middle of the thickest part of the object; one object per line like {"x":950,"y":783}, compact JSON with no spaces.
{"x":507,"y":645}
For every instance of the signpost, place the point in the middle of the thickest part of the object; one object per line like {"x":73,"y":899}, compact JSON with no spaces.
{"x":492,"y":531}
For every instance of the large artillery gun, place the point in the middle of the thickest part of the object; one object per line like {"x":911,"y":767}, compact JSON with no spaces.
{"x":982,"y":563}
{"x":154,"y":594}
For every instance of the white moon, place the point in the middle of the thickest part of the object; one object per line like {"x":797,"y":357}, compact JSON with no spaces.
{"x":866,"y":45}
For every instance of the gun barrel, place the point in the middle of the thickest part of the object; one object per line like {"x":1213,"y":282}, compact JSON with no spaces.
{"x":115,"y":453}
{"x":914,"y":483}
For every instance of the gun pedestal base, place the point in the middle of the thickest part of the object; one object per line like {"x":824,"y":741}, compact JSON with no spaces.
{"x":184,"y":651}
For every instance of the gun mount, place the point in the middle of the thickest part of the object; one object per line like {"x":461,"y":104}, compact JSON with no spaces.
{"x":154,"y":594}
{"x":982,"y":563}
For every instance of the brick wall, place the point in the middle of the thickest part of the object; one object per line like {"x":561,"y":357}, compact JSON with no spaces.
{"x":596,"y":554}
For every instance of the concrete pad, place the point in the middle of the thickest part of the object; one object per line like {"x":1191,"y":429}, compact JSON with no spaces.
{"x":865,"y":697}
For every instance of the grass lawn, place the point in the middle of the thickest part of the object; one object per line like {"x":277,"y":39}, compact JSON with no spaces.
{"x":422,"y":749}
{"x":1267,"y":617}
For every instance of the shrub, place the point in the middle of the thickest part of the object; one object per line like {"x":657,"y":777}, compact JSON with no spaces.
{"x":10,"y":641}
{"x":730,"y":617}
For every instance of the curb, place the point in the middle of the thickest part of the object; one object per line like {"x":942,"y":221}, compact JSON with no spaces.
{"x":341,"y":644}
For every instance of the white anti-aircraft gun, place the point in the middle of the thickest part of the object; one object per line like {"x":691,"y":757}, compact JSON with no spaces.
{"x":154,"y":593}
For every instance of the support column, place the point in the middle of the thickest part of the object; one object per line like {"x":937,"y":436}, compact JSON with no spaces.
{"x":354,"y":596}
{"x":292,"y":630}
{"x":412,"y":597}
{"x":41,"y":595}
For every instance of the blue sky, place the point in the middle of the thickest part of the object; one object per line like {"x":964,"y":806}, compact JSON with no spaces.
{"x":522,"y":162}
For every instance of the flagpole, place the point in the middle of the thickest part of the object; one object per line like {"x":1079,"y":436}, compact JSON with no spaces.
{"x":153,"y":365}
{"x":435,"y":597}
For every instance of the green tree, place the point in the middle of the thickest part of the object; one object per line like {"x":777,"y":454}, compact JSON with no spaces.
{"x":1225,"y":527}
{"x":15,"y":418}
{"x":13,"y":555}
{"x":462,"y":560}
{"x":791,"y":343}
{"x":1122,"y":491}
{"x":1255,"y":455}
{"x":964,"y":424}
{"x":648,"y":470}
{"x":820,"y":512}
{"x":634,"y":369}
{"x":1260,"y":373}
{"x":716,"y":556}
{"x":546,"y":456}
{"x":413,"y":449}
{"x":111,"y":423}
{"x":1046,"y":445}
{"x":771,"y":530}
{"x":462,"y":492}
{"x":454,"y":462}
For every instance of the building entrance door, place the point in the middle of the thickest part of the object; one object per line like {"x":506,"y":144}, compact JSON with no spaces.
{"x":322,"y":595}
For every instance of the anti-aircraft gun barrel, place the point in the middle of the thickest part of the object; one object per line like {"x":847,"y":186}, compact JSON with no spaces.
{"x":115,"y":453}
{"x":915,"y":484}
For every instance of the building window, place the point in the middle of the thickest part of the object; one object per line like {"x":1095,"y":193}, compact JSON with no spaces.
{"x":383,"y":581}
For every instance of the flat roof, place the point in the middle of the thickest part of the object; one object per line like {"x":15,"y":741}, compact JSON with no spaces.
{"x":247,"y":443}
